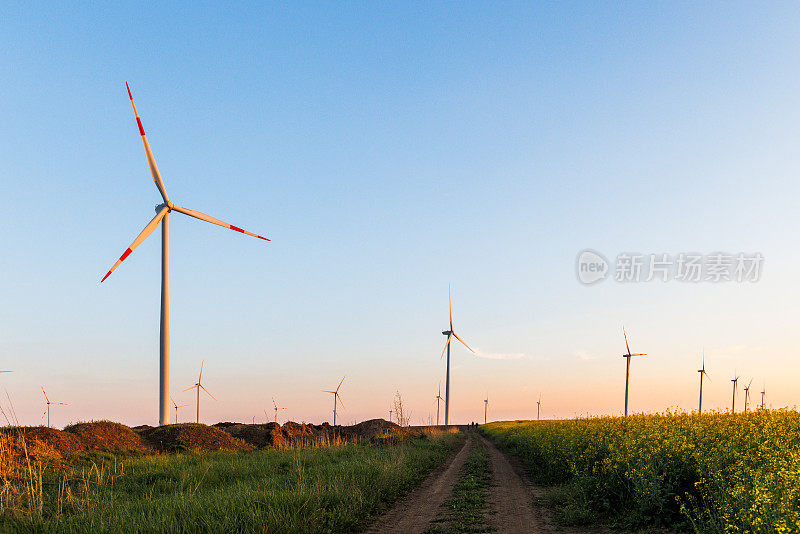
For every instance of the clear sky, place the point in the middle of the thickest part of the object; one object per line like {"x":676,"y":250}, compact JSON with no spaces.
{"x":389,"y":150}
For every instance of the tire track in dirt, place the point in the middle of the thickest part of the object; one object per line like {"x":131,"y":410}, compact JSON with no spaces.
{"x":415,"y":513}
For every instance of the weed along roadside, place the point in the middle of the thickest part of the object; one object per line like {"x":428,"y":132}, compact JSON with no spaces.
{"x":310,"y":487}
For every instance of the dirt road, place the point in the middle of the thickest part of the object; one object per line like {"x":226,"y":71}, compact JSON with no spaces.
{"x":416,"y":512}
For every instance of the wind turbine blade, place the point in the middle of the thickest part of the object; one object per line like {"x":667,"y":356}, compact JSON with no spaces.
{"x":173,"y":402}
{"x":61,"y":403}
{"x":6,"y":371}
{"x":626,"y":339}
{"x":209,"y":394}
{"x":327,"y":391}
{"x":273,"y":403}
{"x":44,"y":413}
{"x":340,"y":400}
{"x":45,"y":395}
{"x":445,"y":348}
{"x":188,"y":389}
{"x":199,"y":378}
{"x":640,"y":354}
{"x":212,"y":220}
{"x":450,"y":306}
{"x":151,"y":226}
{"x":340,"y":384}
{"x":704,"y":372}
{"x":151,"y":161}
{"x":182,"y":406}
{"x":748,"y":384}
{"x":463,"y":343}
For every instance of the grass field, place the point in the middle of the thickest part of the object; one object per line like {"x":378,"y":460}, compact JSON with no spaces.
{"x":710,"y":473}
{"x":332,"y":489}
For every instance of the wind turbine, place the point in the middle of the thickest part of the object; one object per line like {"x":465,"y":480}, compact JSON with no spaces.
{"x":450,"y":334}
{"x":763,"y":392}
{"x":176,"y":408}
{"x":538,"y":406}
{"x":198,"y":385}
{"x":162,"y":217}
{"x":390,"y":415}
{"x":702,"y":372}
{"x":276,"y":409}
{"x":336,"y":397}
{"x":47,"y":410}
{"x":438,"y":401}
{"x":747,"y":394}
{"x":733,"y":402}
{"x":628,"y":357}
{"x":485,"y":407}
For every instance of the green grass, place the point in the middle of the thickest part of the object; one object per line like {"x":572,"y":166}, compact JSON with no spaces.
{"x":467,"y":508}
{"x":312,"y":490}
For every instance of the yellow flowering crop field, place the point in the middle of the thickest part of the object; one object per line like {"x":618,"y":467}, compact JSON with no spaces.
{"x":713,"y":472}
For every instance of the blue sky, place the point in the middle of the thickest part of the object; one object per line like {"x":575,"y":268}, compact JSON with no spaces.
{"x":390,"y":150}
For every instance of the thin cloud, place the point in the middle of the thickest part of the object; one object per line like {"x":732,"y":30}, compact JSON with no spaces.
{"x":501,"y":355}
{"x":585,"y":356}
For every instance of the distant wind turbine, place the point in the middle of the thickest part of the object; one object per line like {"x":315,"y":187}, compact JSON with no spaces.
{"x":763,"y":392}
{"x":538,"y":406}
{"x":276,"y":409}
{"x":198,"y":386}
{"x":176,"y":408}
{"x":162,"y":217}
{"x":485,"y":407}
{"x":438,"y":400}
{"x":747,"y":394}
{"x":390,"y":415}
{"x":733,"y":402}
{"x":450,"y":334}
{"x":47,"y":410}
{"x":336,"y":397}
{"x":702,"y":372}
{"x":628,"y":357}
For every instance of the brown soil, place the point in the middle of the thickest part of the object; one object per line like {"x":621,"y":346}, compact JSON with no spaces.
{"x":192,"y":437}
{"x":415,"y":513}
{"x":107,"y":436}
{"x":47,"y":445}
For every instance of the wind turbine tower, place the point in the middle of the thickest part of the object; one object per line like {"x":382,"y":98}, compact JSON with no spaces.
{"x":162,"y":217}
{"x":450,"y":334}
{"x":176,"y":408}
{"x":538,"y":406}
{"x":702,"y":372}
{"x":198,"y":386}
{"x":628,"y":357}
{"x":733,"y":402}
{"x":438,"y":400}
{"x":763,"y":392}
{"x":47,"y":410}
{"x":747,"y":394}
{"x":485,"y":407}
{"x":336,"y":397}
{"x":276,"y":409}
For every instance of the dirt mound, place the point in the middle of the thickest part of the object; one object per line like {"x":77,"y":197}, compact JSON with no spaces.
{"x":107,"y":436}
{"x":192,"y":437}
{"x":261,"y":436}
{"x":368,"y":429}
{"x":43,"y":442}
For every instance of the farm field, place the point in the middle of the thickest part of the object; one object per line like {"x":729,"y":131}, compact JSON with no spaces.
{"x":707,"y":473}
{"x":327,"y":486}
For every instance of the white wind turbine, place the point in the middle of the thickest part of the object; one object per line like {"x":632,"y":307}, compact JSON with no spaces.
{"x":538,"y":406}
{"x":485,"y":407}
{"x":198,"y":385}
{"x":702,"y":372}
{"x":336,"y":397}
{"x":628,"y":357}
{"x":747,"y":394}
{"x":162,"y":217}
{"x":450,"y":334}
{"x":438,"y":401}
{"x":47,"y":410}
{"x":276,"y":409}
{"x":175,"y":404}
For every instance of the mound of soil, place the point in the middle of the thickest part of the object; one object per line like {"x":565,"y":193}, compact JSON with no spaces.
{"x":44,"y":442}
{"x":261,"y":436}
{"x":192,"y":437}
{"x":368,"y":429}
{"x":107,"y":436}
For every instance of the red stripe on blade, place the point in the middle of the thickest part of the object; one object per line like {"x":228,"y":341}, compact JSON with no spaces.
{"x":129,"y":91}
{"x":261,"y":237}
{"x":106,"y":276}
{"x":125,"y":255}
{"x":141,"y":130}
{"x":237,"y":229}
